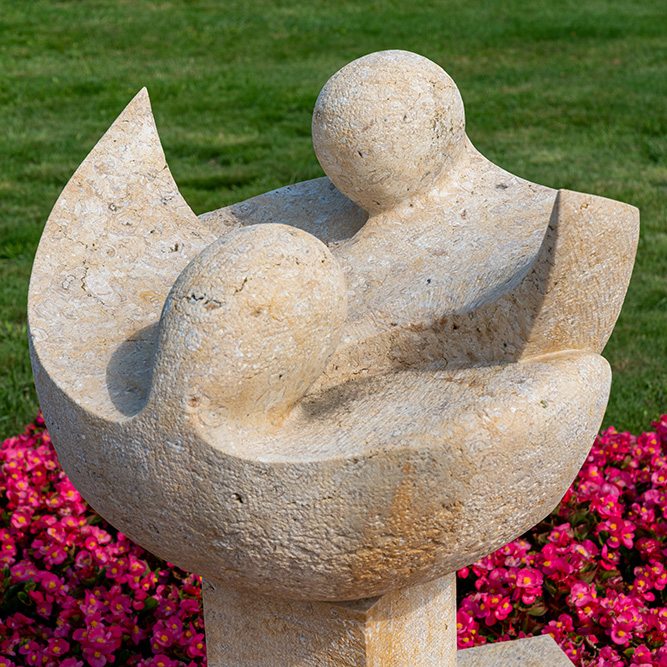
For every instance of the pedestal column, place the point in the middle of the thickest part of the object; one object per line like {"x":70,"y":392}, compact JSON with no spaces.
{"x":405,"y":628}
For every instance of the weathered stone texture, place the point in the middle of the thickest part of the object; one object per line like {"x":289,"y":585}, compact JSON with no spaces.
{"x":406,"y":458}
{"x":363,"y":397}
{"x":406,"y":628}
{"x":533,"y":652}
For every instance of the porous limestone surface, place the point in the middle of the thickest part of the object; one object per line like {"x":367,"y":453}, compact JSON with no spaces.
{"x":388,"y":128}
{"x":414,"y":627}
{"x":446,"y":230}
{"x":347,"y":401}
{"x":266,"y":288}
{"x":411,"y":627}
{"x":530,"y":652}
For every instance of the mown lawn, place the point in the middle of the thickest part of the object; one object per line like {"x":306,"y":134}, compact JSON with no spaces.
{"x":569,"y":94}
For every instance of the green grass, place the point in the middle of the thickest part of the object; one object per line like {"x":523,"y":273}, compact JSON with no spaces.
{"x":569,"y":94}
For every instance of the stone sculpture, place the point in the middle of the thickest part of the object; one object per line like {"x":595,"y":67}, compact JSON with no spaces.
{"x":328,"y":398}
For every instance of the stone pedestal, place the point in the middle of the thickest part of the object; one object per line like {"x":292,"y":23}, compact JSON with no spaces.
{"x":531,"y":652}
{"x":413,"y":627}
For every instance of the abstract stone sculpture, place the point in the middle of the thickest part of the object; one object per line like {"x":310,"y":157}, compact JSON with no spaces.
{"x":327,"y":399}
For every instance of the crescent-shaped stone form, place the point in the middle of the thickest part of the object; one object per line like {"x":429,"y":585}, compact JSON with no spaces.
{"x":431,"y":437}
{"x":117,"y":239}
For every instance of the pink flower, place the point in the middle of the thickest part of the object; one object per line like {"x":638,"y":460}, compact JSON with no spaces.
{"x":642,"y":657}
{"x":50,"y":582}
{"x":606,"y":506}
{"x":33,"y":652}
{"x":137,"y":632}
{"x":621,"y":532}
{"x":120,"y":605}
{"x":162,"y":635}
{"x":57,"y":647}
{"x":21,"y":518}
{"x":561,"y":535}
{"x":72,"y":523}
{"x":68,"y":493}
{"x":18,"y":621}
{"x":164,"y":661}
{"x":116,"y":570}
{"x":95,"y":657}
{"x":659,"y":477}
{"x":610,"y":658}
{"x":92,"y":604}
{"x":529,"y":584}
{"x":43,"y":603}
{"x":620,"y":635}
{"x":136,"y":566}
{"x":197,"y":644}
{"x":99,"y":644}
{"x":503,"y":609}
{"x":189,"y":606}
{"x":581,"y":594}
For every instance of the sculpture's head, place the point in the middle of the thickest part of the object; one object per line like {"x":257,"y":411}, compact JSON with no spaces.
{"x":249,"y":325}
{"x":387,"y":126}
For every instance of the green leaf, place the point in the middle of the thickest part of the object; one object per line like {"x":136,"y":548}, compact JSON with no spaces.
{"x":580,"y":516}
{"x":537,"y":610}
{"x":12,"y":590}
{"x":587,"y":576}
{"x":150,"y":603}
{"x":123,"y":657}
{"x":551,"y":588}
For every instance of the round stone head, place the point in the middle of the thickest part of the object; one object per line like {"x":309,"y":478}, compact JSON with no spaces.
{"x":387,"y":126}
{"x":250,"y":324}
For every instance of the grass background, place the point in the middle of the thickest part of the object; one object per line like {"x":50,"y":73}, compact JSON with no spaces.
{"x":567,"y":93}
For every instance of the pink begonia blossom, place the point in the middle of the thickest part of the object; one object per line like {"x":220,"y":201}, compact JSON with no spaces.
{"x":581,"y":594}
{"x":197,"y":646}
{"x":162,"y":636}
{"x":58,"y":647}
{"x":54,"y":548}
{"x":601,"y":556}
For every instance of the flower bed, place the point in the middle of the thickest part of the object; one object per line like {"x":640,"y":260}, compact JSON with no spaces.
{"x":76,"y":592}
{"x":593,"y":573}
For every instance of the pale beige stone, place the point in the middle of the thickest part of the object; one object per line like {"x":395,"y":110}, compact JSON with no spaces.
{"x":463,"y":234}
{"x":328,"y":419}
{"x":532,"y":652}
{"x":405,"y":628}
{"x":387,"y":128}
{"x":249,"y":325}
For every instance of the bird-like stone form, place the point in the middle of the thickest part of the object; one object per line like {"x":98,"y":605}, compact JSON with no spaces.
{"x":340,"y":388}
